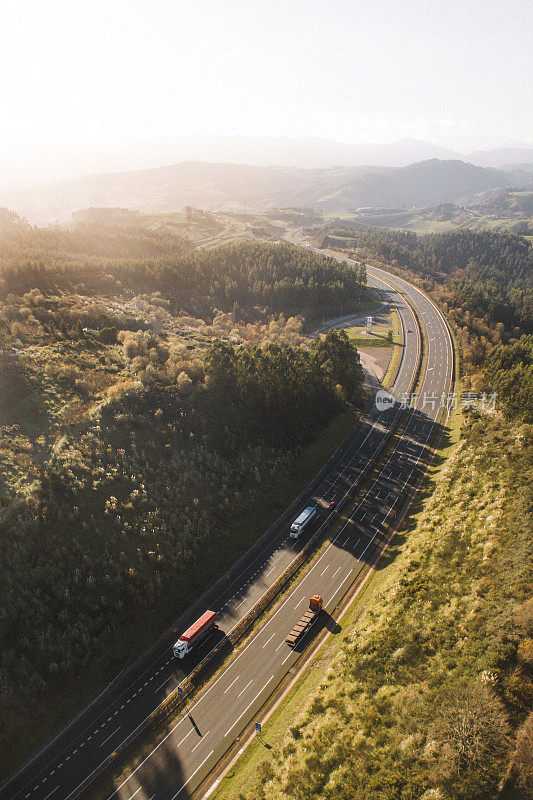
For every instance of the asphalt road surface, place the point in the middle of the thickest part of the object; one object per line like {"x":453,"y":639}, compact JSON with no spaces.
{"x":175,"y":765}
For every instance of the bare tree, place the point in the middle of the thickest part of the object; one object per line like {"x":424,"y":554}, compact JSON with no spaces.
{"x":471,"y":731}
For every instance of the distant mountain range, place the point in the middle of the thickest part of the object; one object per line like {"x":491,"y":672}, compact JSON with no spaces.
{"x":49,"y":161}
{"x":304,"y":152}
{"x":502,"y":157}
{"x":427,"y":183}
{"x":317,"y":153}
{"x":232,"y":187}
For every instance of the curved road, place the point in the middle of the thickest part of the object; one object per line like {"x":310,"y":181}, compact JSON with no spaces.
{"x":178,"y":763}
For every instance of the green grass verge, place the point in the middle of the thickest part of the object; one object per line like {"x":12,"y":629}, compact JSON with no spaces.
{"x":378,"y":337}
{"x":396,"y":356}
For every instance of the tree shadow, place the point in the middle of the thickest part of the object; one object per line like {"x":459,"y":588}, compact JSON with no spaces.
{"x":401,"y":484}
{"x":161,"y":775}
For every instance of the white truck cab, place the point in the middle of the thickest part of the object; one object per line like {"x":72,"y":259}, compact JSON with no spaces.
{"x":181,"y":649}
{"x":197,"y":631}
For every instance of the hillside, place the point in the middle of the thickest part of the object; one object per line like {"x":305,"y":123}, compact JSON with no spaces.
{"x":237,"y":188}
{"x":430,"y":695}
{"x":427,"y":183}
{"x":215,"y":187}
{"x":151,"y":395}
{"x":305,"y":152}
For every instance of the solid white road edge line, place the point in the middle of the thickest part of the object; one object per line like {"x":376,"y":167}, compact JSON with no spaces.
{"x":110,"y":735}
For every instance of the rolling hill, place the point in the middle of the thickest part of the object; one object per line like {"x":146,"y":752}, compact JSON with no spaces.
{"x":426,"y":183}
{"x":230,"y":187}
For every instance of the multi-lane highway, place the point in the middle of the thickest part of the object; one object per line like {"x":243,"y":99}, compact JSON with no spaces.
{"x":172,"y":767}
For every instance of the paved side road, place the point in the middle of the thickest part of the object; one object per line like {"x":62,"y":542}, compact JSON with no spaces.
{"x":180,"y":761}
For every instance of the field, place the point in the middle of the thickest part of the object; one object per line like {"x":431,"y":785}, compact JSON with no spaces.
{"x":510,"y":212}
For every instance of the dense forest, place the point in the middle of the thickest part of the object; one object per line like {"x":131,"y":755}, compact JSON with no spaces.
{"x":117,"y":260}
{"x":135,"y":435}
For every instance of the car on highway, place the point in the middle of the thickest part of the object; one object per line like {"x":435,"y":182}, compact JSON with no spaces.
{"x":332,"y":504}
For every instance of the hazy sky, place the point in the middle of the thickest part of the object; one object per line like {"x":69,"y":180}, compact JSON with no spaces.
{"x":457,"y":72}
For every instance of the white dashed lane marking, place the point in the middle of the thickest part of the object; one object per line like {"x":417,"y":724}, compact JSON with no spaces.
{"x":200,"y":742}
{"x":231,"y":684}
{"x":245,"y":688}
{"x":185,"y":737}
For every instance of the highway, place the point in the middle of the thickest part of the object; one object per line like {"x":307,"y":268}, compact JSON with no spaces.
{"x":175,"y":765}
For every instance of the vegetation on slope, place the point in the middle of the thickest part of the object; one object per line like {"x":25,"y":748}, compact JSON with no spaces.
{"x":509,"y":374}
{"x":114,"y":237}
{"x":431,"y":694}
{"x":134,"y":439}
{"x":279,"y":276}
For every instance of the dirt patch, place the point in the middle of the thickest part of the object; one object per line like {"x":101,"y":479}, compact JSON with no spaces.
{"x":376,"y":360}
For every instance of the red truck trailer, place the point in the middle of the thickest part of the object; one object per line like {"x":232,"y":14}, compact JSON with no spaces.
{"x":197,"y":631}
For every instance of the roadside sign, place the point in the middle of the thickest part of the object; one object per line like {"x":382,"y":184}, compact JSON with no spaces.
{"x":258,"y":727}
{"x":180,"y":691}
